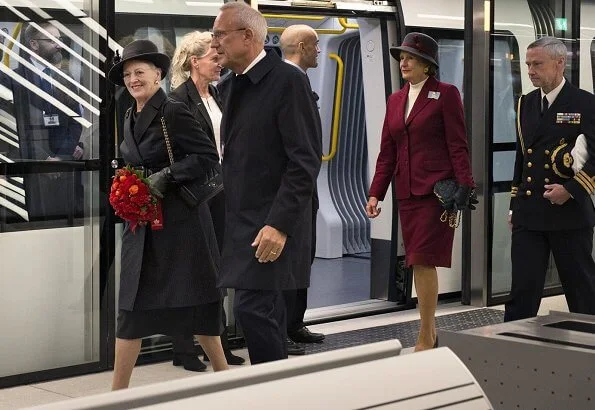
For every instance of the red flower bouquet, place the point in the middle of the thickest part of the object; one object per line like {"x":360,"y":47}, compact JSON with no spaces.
{"x":132,"y":200}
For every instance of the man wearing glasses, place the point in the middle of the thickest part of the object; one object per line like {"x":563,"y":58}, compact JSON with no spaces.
{"x":271,"y":158}
{"x":44,"y":130}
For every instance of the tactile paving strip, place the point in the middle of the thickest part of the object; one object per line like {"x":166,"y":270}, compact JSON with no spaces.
{"x":406,"y":332}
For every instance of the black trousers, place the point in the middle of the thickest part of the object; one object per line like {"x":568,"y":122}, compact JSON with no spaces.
{"x":262,"y":317}
{"x":530,"y":254}
{"x":296,"y":300}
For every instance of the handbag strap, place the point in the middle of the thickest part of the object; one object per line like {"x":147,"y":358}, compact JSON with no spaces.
{"x":170,"y":154}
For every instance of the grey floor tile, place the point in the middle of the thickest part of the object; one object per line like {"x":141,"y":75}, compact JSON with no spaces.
{"x":26,"y":396}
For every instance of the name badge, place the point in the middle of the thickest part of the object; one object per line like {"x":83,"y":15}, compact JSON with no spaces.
{"x":568,"y":118}
{"x":434,"y":95}
{"x":51,"y":120}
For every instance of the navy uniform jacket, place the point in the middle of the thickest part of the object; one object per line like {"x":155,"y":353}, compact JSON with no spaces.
{"x":542,"y":157}
{"x":271,"y":159}
{"x":176,"y":266}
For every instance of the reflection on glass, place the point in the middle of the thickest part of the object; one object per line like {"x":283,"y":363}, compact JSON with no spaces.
{"x":503,"y":96}
{"x":450,"y":57}
{"x":49,"y":225}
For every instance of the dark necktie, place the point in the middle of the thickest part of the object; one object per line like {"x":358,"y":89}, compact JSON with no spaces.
{"x":46,"y":85}
{"x":544,"y":105}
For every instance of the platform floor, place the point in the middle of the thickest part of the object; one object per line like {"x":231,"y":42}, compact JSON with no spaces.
{"x":40,"y":393}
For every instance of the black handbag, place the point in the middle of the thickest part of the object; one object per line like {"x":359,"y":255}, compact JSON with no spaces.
{"x":445,"y":192}
{"x":195,"y":192}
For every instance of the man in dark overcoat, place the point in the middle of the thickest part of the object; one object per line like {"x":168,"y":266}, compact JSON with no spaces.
{"x":299,"y":43}
{"x":551,"y":207}
{"x":271,"y":158}
{"x":47,"y":129}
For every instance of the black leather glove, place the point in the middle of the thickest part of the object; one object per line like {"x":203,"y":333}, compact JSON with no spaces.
{"x":473,"y":200}
{"x":159,"y":181}
{"x":462,"y":197}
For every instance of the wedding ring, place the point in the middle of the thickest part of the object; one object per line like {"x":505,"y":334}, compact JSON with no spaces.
{"x":273,"y":253}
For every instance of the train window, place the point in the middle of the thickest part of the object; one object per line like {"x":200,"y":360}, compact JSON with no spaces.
{"x":49,"y":185}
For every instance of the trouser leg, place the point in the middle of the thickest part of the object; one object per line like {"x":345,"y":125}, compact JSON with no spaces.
{"x":530,"y":251}
{"x":261,"y":314}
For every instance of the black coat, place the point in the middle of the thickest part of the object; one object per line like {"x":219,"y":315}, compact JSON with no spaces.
{"x":188,"y":94}
{"x":541,"y":139}
{"x":271,"y":159}
{"x":177,"y":266}
{"x":47,"y":196}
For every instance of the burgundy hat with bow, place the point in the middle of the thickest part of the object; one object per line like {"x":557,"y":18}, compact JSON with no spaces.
{"x":418,"y":44}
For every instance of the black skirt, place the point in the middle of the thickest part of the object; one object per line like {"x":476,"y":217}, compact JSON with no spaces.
{"x":185,"y":321}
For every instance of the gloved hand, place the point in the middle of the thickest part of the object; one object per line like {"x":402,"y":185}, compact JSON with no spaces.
{"x":473,"y":200}
{"x":462,"y":197}
{"x":159,"y":181}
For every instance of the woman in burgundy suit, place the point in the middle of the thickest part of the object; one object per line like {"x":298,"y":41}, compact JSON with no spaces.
{"x":423,"y":141}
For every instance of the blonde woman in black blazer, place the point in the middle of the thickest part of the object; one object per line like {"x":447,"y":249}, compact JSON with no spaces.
{"x":194,"y":68}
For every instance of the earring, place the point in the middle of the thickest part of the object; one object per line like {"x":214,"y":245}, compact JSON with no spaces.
{"x":426,"y":70}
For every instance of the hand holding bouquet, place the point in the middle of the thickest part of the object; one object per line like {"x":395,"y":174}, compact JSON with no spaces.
{"x":133,"y":201}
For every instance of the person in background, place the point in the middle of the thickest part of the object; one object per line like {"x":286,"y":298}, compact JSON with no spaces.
{"x":423,"y":142}
{"x":550,"y":206}
{"x":271,"y":158}
{"x":168,"y":276}
{"x":47,"y":130}
{"x":299,"y":44}
{"x":194,"y":68}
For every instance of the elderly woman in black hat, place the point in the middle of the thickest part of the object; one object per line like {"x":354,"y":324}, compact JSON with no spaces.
{"x":423,"y":142}
{"x":167,"y":281}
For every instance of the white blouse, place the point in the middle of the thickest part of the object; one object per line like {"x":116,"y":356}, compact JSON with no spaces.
{"x":414,"y":90}
{"x":215,"y":114}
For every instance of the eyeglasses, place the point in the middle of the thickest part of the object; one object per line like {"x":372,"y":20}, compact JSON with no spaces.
{"x":49,"y":39}
{"x":218,"y":35}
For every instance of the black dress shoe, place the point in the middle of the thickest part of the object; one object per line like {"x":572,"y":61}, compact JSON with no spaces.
{"x":303,"y":335}
{"x":190,"y":362}
{"x":294,"y":349}
{"x":231,"y":358}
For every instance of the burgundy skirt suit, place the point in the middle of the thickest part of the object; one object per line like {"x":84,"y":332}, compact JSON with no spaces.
{"x":428,"y":146}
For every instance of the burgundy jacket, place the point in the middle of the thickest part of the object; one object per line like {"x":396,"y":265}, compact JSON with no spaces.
{"x":430,"y":146}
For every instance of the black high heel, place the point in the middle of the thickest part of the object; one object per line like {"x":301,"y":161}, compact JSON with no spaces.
{"x":189,"y":361}
{"x":231,"y":358}
{"x":435,"y":343}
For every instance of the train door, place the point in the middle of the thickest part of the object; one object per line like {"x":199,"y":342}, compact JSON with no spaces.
{"x":52,"y":213}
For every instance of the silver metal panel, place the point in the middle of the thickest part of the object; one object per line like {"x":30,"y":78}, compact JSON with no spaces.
{"x":532,"y":363}
{"x":477,"y":96}
{"x":348,"y":169}
{"x":370,"y":376}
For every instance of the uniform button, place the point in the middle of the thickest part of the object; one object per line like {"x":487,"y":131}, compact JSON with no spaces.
{"x":529,"y":151}
{"x":547,"y":152}
{"x":529,"y":179}
{"x":528,"y":193}
{"x":529,"y":165}
{"x":547,"y":166}
{"x":547,"y":180}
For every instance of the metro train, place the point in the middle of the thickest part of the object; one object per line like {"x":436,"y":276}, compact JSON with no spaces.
{"x":354,"y":78}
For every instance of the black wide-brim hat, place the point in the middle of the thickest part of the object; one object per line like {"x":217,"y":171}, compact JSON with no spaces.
{"x":418,"y":44}
{"x":144,"y":50}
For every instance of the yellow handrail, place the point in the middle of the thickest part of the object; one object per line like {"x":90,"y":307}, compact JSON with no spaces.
{"x":318,"y":30}
{"x":10,"y":45}
{"x":343,"y":22}
{"x":336,"y":107}
{"x":293,"y":17}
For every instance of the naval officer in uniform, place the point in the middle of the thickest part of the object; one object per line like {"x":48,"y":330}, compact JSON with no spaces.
{"x":551,"y":207}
